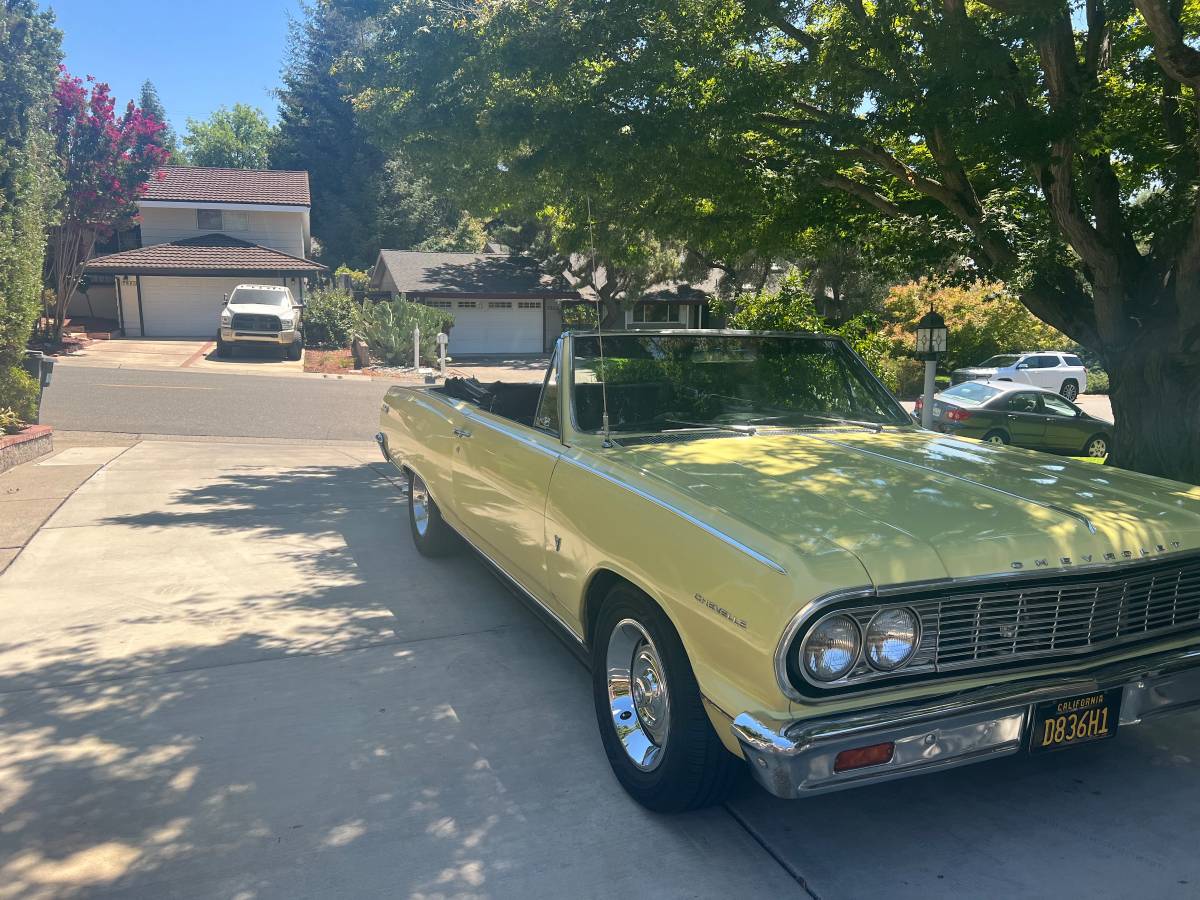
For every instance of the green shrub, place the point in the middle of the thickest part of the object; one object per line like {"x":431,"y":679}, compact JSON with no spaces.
{"x":19,"y":393}
{"x":10,"y":422}
{"x":328,"y":319}
{"x":387,"y":327}
{"x":359,"y":279}
{"x":1097,"y":381}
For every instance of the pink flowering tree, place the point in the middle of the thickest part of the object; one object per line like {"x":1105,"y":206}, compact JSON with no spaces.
{"x":105,"y":162}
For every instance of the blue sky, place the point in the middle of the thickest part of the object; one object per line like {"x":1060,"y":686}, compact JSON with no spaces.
{"x":200,"y":55}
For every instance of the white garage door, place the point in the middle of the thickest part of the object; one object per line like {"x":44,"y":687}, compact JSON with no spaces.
{"x":494,"y":326}
{"x":184,"y":307}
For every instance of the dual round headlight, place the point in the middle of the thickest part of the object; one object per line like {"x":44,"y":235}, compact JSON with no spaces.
{"x":835,"y":646}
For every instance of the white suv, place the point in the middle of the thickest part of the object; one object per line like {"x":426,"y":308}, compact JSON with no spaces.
{"x":1051,"y":369}
{"x":261,"y":314}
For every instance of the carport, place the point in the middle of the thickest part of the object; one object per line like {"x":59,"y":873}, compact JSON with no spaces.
{"x":176,"y":289}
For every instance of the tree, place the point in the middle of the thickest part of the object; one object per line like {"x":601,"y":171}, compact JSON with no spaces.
{"x":30,"y":50}
{"x":238,"y":138}
{"x":319,"y":133}
{"x":152,"y":107}
{"x":1050,"y":144}
{"x":105,"y":162}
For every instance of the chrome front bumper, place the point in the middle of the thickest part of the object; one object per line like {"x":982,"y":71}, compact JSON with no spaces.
{"x":796,"y":759}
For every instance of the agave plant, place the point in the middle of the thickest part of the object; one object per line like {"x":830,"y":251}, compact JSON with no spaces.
{"x":387,"y":327}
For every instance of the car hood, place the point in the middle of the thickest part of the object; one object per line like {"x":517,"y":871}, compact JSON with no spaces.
{"x":259,"y":309}
{"x":915,"y":506}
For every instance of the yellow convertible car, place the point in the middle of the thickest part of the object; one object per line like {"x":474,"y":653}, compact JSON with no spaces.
{"x":767,"y":564}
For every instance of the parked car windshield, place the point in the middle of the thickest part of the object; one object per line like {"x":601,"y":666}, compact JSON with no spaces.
{"x":264,"y":298}
{"x":999,"y":362}
{"x":974,"y":392}
{"x":660,"y":382}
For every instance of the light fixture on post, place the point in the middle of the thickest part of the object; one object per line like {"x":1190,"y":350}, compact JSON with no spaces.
{"x":932,"y":340}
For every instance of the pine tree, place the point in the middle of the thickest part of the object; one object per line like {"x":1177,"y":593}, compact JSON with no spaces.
{"x":152,"y":106}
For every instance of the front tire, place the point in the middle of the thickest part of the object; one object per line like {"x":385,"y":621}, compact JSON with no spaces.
{"x":430,"y":533}
{"x":1069,"y":390}
{"x":656,"y":734}
{"x":295,"y":350}
{"x":223,"y":349}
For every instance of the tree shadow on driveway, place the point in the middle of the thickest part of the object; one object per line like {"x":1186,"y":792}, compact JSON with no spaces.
{"x":273,"y":695}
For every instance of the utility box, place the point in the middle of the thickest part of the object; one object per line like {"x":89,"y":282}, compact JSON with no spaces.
{"x":41,"y":367}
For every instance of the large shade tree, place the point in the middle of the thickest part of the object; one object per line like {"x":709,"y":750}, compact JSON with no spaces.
{"x":1052,"y":144}
{"x":237,"y":138}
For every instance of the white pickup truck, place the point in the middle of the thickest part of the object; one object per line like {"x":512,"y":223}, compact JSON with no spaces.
{"x":261,"y":314}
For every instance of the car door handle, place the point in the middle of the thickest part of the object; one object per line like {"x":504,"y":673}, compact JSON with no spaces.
{"x":462,"y":433}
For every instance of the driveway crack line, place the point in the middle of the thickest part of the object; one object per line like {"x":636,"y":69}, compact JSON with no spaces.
{"x":762,"y":842}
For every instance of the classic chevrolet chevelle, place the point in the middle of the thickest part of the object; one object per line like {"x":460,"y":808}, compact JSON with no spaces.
{"x":763,"y":558}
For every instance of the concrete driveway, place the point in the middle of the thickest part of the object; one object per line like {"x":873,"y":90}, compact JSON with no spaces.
{"x":224,"y":672}
{"x":182,"y":353}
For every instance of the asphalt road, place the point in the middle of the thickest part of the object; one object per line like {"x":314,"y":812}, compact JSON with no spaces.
{"x":164,"y":401}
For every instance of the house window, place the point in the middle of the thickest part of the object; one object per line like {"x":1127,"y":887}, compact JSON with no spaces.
{"x":653,"y":313}
{"x":466,"y":304}
{"x":210,"y":220}
{"x":529,"y":304}
{"x":499,"y":304}
{"x":439,"y":304}
{"x":236,"y":221}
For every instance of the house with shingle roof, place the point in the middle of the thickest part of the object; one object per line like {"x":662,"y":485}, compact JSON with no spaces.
{"x":502,"y":303}
{"x":203,"y":232}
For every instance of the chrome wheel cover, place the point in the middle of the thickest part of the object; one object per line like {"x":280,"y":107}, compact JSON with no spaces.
{"x":638,"y":698}
{"x":419,"y":497}
{"x":1070,"y":392}
{"x":995,"y":439}
{"x":1098,"y":448}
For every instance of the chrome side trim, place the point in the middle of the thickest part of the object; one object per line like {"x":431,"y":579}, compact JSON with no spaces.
{"x":381,"y":440}
{"x":699,"y":523}
{"x":797,"y":758}
{"x":541,"y":607}
{"x":471,"y":414}
{"x":553,"y":618}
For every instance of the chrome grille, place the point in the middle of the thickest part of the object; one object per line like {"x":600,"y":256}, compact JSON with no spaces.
{"x":1020,"y":619}
{"x":251,"y":322}
{"x":1017,"y":622}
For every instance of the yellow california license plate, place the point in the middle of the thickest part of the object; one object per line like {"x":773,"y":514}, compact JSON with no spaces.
{"x":1075,"y":720}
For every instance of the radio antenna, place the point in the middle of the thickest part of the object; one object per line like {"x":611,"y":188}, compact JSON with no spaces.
{"x":607,"y":442}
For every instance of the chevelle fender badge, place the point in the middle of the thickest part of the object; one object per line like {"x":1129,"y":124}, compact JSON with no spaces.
{"x":1110,"y":556}
{"x":721,"y":611}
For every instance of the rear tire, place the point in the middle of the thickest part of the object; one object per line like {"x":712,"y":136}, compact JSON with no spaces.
{"x":1069,"y":390}
{"x":431,"y":535}
{"x":666,"y":755}
{"x":995,"y":437}
{"x":1098,"y":446}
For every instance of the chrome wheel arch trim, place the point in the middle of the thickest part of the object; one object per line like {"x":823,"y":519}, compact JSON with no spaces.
{"x":418,"y":501}
{"x":686,"y":516}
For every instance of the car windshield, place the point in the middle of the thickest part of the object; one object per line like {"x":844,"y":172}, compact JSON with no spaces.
{"x":676,"y":382}
{"x":974,"y":392}
{"x":997,"y":362}
{"x":261,"y":297}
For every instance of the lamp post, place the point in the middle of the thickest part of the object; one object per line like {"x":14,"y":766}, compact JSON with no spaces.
{"x":932,"y":338}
